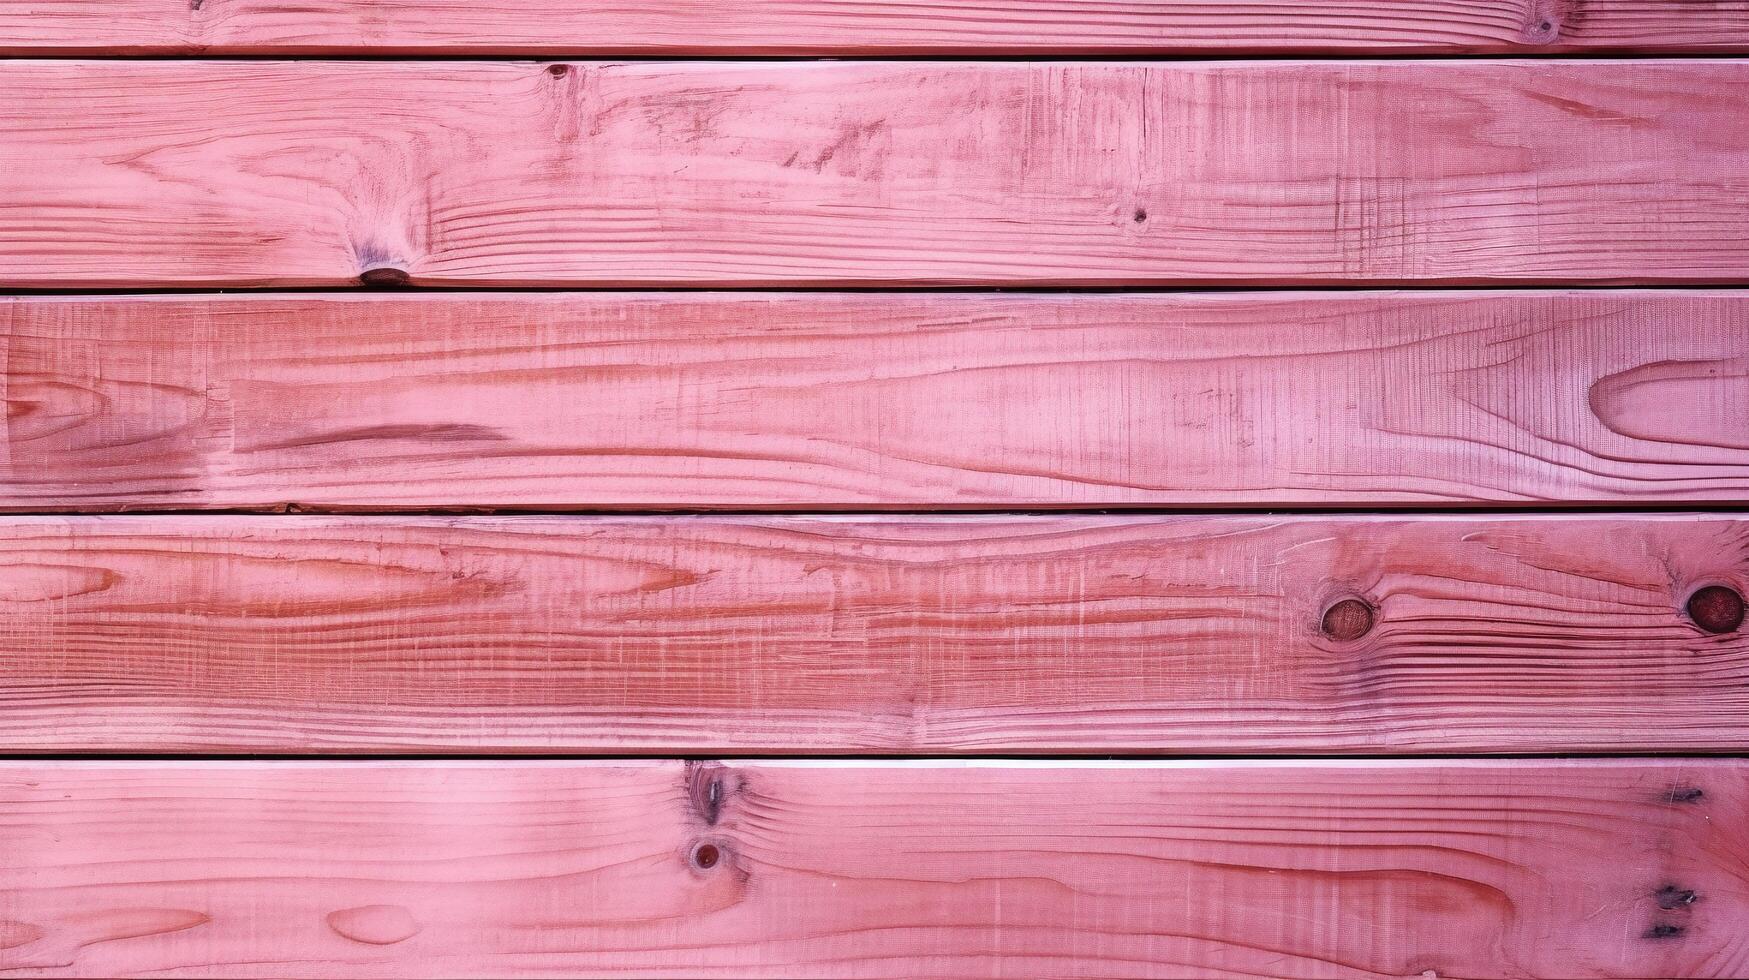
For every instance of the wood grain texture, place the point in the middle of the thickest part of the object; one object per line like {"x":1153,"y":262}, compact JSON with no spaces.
{"x":827,"y":401}
{"x":1520,"y":869}
{"x":863,"y":27}
{"x":700,"y":635}
{"x":205,"y":174}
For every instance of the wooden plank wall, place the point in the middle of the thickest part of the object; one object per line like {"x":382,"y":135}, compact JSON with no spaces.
{"x":915,"y":473}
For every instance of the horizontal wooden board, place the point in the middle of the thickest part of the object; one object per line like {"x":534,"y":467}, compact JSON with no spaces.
{"x":750,"y":400}
{"x":1520,"y":869}
{"x":692,"y":635}
{"x":202,"y":174}
{"x":873,"y":399}
{"x":862,"y":27}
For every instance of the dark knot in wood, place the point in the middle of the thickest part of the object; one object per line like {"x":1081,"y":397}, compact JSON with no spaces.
{"x":1349,"y":619}
{"x":1716,"y":609}
{"x":384,"y":277}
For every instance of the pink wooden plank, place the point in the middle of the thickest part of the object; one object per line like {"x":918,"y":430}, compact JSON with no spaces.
{"x":693,"y":635}
{"x":208,"y":174}
{"x":842,"y":400}
{"x":1516,"y":868}
{"x":860,"y":27}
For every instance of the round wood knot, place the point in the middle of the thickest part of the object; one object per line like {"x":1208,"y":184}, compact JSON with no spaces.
{"x":384,"y":277}
{"x":706,"y":856}
{"x":558,"y":71}
{"x":1716,"y":609}
{"x":1347,"y":620}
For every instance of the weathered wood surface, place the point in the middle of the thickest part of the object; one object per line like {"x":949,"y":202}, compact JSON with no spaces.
{"x":862,"y":27}
{"x":1521,"y":869}
{"x":201,"y":174}
{"x":827,"y":401}
{"x":700,"y":635}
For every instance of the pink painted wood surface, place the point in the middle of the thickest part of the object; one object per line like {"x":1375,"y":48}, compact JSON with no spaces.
{"x":817,"y":400}
{"x":206,"y":174}
{"x":1517,"y":868}
{"x":700,"y":635}
{"x":860,"y":27}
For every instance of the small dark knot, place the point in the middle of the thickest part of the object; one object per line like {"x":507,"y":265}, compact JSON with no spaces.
{"x":558,"y":71}
{"x":1544,"y":30}
{"x":384,"y":277}
{"x":706,"y":856}
{"x":1348,"y":620}
{"x":1716,"y":609}
{"x":1685,"y":794}
{"x":1671,"y":897}
{"x":1664,"y":930}
{"x":1140,"y":216}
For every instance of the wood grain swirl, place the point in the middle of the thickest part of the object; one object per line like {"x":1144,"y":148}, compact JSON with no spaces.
{"x":865,"y":27}
{"x":1350,"y":870}
{"x":696,"y":635}
{"x":873,"y":401}
{"x":211,"y":174}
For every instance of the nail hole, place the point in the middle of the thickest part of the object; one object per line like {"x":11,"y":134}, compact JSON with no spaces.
{"x":558,"y":71}
{"x":706,"y":856}
{"x":1349,"y":619}
{"x":1716,"y":609}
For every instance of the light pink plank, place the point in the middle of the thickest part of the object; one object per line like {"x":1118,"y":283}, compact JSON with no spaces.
{"x":206,"y":174}
{"x":693,"y":635}
{"x":853,"y":27}
{"x":1522,"y":869}
{"x":838,"y":400}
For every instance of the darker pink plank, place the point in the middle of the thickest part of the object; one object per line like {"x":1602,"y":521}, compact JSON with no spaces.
{"x":209,"y":174}
{"x":755,"y":401}
{"x":861,"y":27}
{"x":1517,"y":868}
{"x":899,"y":635}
